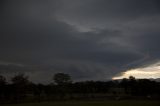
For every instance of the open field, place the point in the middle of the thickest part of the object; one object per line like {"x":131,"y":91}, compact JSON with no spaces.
{"x":91,"y":103}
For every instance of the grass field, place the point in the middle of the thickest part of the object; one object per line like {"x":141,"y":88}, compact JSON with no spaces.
{"x":91,"y":103}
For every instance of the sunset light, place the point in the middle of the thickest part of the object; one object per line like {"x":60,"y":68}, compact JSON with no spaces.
{"x":151,"y":71}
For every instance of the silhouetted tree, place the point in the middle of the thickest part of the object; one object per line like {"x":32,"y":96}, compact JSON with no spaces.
{"x":132,"y":78}
{"x":2,"y":87}
{"x":20,"y":84}
{"x":22,"y":89}
{"x":61,"y":78}
{"x":20,"y":79}
{"x":2,"y":80}
{"x":132,"y":85}
{"x":124,"y":84}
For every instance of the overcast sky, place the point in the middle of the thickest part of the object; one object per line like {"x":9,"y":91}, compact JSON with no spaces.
{"x":88,"y":39}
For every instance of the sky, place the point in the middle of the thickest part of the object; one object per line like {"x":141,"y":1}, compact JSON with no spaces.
{"x":87,"y":39}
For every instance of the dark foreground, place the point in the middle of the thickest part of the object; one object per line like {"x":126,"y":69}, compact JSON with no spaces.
{"x":91,"y":103}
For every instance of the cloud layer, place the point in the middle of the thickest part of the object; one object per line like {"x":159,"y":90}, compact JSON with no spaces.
{"x":91,"y":39}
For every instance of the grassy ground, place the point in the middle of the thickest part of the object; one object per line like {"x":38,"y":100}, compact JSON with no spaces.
{"x":91,"y":103}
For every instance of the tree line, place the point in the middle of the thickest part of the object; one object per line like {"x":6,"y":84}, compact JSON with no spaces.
{"x":63,"y":88}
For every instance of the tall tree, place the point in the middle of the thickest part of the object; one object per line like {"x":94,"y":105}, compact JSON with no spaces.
{"x":20,"y":79}
{"x":62,"y":78}
{"x":2,"y":80}
{"x":20,"y":84}
{"x":62,"y":81}
{"x":2,"y":87}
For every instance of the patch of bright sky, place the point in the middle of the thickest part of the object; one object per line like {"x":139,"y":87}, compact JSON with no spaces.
{"x":151,"y":71}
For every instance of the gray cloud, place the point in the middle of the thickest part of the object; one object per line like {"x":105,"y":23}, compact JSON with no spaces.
{"x":91,"y":40}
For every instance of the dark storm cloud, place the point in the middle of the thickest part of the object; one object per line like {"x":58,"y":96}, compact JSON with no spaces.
{"x":91,"y":39}
{"x":13,"y":68}
{"x":100,"y":10}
